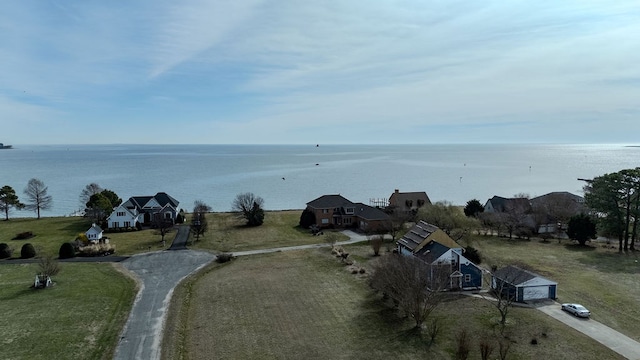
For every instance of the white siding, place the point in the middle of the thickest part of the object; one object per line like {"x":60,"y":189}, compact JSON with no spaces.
{"x":535,"y":292}
{"x":121,"y":215}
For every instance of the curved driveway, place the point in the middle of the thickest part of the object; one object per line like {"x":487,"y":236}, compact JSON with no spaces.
{"x":158,"y":274}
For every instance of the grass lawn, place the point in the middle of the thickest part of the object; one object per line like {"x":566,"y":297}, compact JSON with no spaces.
{"x":80,"y":317}
{"x":603,"y":280}
{"x":51,"y":232}
{"x":304,"y":304}
{"x":228,"y":234}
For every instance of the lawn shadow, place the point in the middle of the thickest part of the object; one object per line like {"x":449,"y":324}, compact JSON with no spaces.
{"x":18,"y":294}
{"x":580,"y":248}
{"x":77,"y":227}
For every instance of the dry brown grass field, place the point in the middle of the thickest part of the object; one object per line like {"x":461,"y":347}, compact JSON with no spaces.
{"x":600,"y":278}
{"x":228,"y":234}
{"x":305,"y":304}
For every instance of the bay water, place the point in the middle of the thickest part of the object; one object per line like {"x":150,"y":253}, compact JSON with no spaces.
{"x":289,"y":176}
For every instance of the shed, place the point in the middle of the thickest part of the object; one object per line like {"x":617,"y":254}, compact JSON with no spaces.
{"x":523,"y":285}
{"x":94,"y":234}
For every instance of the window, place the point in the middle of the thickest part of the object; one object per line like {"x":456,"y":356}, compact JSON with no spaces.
{"x":467,"y":278}
{"x":120,"y":213}
{"x":325,"y":221}
{"x":347,"y":220}
{"x":127,"y":224}
{"x":115,"y":224}
{"x":349,"y":210}
{"x":325,"y":211}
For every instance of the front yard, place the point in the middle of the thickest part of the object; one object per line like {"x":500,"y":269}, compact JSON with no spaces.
{"x":304,"y":304}
{"x":80,"y":317}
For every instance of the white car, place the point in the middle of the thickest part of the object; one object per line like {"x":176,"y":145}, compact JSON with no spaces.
{"x":577,"y":310}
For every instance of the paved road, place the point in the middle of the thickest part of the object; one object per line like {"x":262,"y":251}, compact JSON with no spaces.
{"x":605,"y":335}
{"x":158,"y":274}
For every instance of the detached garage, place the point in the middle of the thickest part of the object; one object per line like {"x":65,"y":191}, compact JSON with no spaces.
{"x":522,"y":285}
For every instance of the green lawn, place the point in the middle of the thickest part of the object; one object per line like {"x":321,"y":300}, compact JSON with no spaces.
{"x":304,"y":304}
{"x":80,"y":317}
{"x":228,"y":234}
{"x":51,"y":232}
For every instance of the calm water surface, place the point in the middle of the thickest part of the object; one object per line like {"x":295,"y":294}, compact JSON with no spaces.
{"x":289,"y":176}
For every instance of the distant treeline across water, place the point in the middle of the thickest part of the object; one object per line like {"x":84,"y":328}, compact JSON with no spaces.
{"x":289,"y":176}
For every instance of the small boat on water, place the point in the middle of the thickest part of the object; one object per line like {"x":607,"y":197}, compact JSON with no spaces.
{"x":3,"y":146}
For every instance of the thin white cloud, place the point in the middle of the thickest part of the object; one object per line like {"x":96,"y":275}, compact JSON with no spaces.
{"x":187,"y":28}
{"x":287,"y":67}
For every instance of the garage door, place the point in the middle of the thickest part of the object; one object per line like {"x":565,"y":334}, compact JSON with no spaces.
{"x":535,"y":292}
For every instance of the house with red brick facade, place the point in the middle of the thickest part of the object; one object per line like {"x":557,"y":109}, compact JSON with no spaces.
{"x":336,"y":211}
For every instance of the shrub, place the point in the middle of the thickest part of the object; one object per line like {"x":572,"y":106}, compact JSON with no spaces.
{"x":48,"y":266}
{"x":67,"y":251}
{"x":224,"y":257}
{"x":473,"y":255}
{"x":27,"y":251}
{"x":433,"y":329}
{"x":96,"y":250}
{"x":463,"y":343}
{"x":376,"y":244}
{"x":486,"y":348}
{"x":5,"y":251}
{"x":307,"y":218}
{"x":24,"y":235}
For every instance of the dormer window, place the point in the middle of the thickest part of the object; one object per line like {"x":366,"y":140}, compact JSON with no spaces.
{"x":349,"y":211}
{"x":409,"y":203}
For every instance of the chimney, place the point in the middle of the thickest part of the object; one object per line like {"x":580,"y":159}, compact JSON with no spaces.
{"x":397,"y":191}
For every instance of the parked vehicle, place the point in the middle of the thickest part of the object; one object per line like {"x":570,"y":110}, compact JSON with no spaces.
{"x":577,"y":310}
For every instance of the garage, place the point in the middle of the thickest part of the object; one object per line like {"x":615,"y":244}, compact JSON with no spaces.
{"x":523,"y":285}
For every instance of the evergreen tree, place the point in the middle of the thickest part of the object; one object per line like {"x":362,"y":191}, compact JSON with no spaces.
{"x":8,"y":200}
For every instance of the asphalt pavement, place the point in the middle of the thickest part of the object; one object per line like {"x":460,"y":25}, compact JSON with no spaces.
{"x":605,"y":335}
{"x":157,"y":273}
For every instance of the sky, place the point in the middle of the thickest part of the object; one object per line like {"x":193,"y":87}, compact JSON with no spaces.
{"x":327,"y":72}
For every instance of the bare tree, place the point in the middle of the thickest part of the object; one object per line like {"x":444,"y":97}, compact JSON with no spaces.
{"x":555,"y":208}
{"x":376,"y":243}
{"x":450,"y":218}
{"x":490,"y":222}
{"x":199,"y":225}
{"x":48,"y":266}
{"x":415,"y":286}
{"x":38,"y":199}
{"x":85,"y":194}
{"x":516,"y":216}
{"x":163,"y":225}
{"x":503,"y":290}
{"x":249,"y":207}
{"x":395,"y":225}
